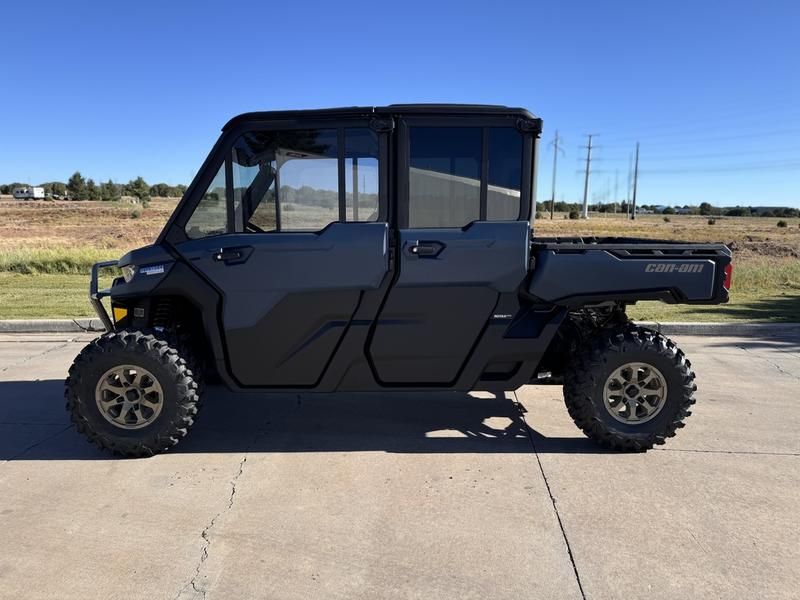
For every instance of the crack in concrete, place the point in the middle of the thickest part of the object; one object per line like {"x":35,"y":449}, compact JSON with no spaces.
{"x":35,"y":444}
{"x":29,"y":358}
{"x":769,"y":362}
{"x":205,"y":534}
{"x":206,"y":531}
{"x":552,"y":498}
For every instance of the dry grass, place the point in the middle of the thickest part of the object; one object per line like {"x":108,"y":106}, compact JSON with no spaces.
{"x":63,"y":239}
{"x":747,"y":236}
{"x":92,"y":225}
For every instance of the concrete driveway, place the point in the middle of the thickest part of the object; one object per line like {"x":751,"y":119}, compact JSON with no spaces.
{"x":407,"y":496}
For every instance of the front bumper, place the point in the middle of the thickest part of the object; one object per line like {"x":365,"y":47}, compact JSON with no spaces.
{"x":96,"y":295}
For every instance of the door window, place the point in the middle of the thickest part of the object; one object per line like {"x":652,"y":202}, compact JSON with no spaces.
{"x":444,"y":178}
{"x":290,"y":180}
{"x":462,"y":174}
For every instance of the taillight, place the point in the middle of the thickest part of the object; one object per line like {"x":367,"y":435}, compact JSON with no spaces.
{"x":728,"y":275}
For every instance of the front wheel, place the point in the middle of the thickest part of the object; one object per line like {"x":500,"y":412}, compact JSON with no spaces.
{"x":131,"y":393}
{"x":631,"y":389}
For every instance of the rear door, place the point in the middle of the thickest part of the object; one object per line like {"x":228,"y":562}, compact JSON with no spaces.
{"x":292,"y":232}
{"x":463,"y":204}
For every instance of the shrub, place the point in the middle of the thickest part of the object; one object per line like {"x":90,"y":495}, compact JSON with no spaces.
{"x":573,"y":214}
{"x":136,"y":213}
{"x":712,"y":221}
{"x":667,"y":219}
{"x":782,"y":223}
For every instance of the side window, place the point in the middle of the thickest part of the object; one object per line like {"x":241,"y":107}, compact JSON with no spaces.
{"x":444,"y":179}
{"x":361,"y":175}
{"x":446,"y":184}
{"x":505,"y":174}
{"x":211,"y":215}
{"x":289,"y":180}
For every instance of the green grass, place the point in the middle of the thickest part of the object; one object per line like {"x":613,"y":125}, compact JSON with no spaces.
{"x":31,"y":261}
{"x":764,"y":289}
{"x":44,"y":296}
{"x":54,"y":284}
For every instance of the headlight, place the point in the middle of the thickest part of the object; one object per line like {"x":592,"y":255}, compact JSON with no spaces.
{"x":128,"y":271}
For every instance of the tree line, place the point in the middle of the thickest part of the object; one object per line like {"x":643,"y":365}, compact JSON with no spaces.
{"x":80,"y":188}
{"x":704,"y":208}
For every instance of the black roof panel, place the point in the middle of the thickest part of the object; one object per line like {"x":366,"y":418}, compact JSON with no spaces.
{"x":391,"y":109}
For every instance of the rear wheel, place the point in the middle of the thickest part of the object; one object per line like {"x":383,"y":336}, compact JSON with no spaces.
{"x":631,"y":389}
{"x":131,"y":393}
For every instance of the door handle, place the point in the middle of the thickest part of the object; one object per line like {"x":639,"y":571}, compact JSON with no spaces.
{"x":425,"y":249}
{"x":232,"y":256}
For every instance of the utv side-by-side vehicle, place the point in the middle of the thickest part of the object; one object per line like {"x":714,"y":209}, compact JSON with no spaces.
{"x":390,"y":248}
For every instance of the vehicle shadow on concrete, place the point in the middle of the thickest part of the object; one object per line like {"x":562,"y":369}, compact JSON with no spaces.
{"x":786,"y":341}
{"x":36,"y":425}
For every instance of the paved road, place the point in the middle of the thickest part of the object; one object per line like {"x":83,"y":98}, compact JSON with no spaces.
{"x":432,"y":496}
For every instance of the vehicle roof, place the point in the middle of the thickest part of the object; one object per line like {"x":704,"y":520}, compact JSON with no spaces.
{"x":391,"y":109}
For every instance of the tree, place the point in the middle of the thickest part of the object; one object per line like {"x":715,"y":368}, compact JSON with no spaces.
{"x":92,"y":192}
{"x":9,"y":189}
{"x":76,"y":186}
{"x":160,"y":190}
{"x":109,"y":191}
{"x":138,"y":188}
{"x":54,"y":188}
{"x":706,"y":208}
{"x":668,"y":211}
{"x":737,"y":211}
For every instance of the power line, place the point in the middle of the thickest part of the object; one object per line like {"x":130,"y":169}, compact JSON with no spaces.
{"x":721,"y":115}
{"x":759,"y":151}
{"x":683,"y":139}
{"x":777,"y":166}
{"x":768,"y":165}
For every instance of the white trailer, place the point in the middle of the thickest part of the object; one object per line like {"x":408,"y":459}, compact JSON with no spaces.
{"x":29,"y":193}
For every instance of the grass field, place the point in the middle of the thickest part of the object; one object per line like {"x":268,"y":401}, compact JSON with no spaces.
{"x":47,"y":248}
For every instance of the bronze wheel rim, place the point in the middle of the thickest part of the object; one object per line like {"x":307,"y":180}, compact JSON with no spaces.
{"x":635,"y":393}
{"x":129,"y":397}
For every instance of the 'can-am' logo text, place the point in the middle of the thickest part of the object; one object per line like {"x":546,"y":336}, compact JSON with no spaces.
{"x":673,"y":268}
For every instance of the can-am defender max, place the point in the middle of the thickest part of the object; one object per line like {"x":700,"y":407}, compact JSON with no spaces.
{"x":365,"y":249}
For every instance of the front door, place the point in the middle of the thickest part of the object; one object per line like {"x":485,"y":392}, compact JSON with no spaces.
{"x":292,"y":233}
{"x":463,"y":243}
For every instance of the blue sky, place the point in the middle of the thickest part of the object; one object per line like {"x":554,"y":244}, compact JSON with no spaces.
{"x":710,"y":89}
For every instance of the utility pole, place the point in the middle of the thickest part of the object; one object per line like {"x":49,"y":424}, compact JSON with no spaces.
{"x":635,"y":181}
{"x":555,"y":163}
{"x":586,"y":179}
{"x":628,"y":189}
{"x":616,"y":190}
